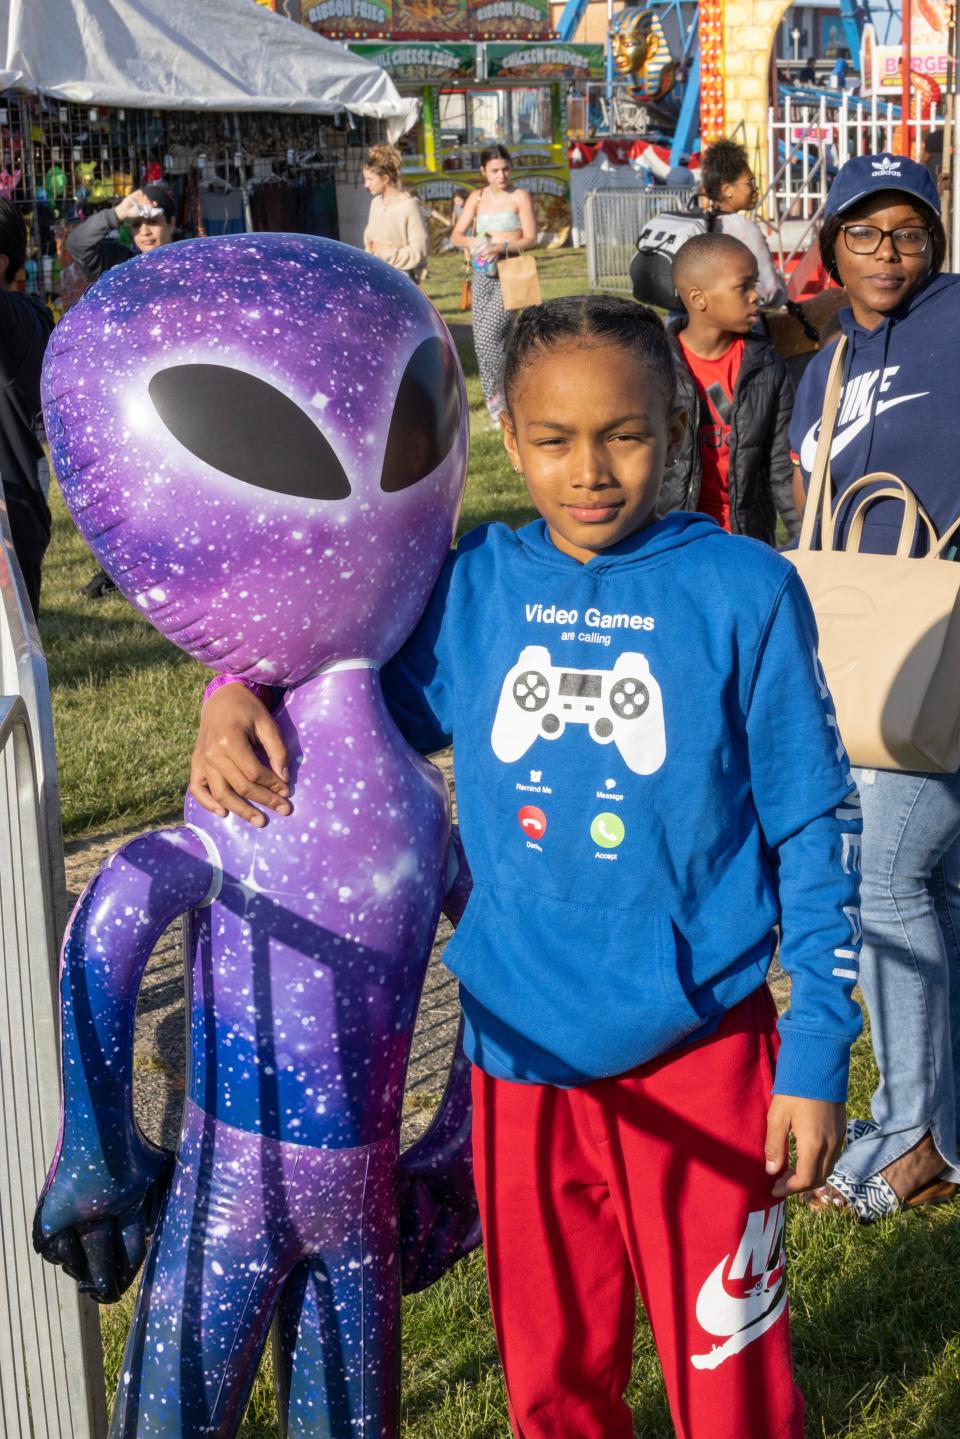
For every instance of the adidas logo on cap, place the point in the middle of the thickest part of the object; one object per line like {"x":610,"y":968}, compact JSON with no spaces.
{"x":883,"y":169}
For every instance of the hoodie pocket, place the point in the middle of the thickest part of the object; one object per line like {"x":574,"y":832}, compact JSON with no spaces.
{"x":568,"y":986}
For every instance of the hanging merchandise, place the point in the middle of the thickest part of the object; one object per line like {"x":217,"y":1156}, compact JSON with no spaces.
{"x":227,"y":173}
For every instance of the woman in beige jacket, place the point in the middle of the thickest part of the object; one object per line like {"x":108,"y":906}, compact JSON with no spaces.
{"x":395,"y":230}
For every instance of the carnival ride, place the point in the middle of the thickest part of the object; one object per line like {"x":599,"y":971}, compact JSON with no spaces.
{"x":654,"y":52}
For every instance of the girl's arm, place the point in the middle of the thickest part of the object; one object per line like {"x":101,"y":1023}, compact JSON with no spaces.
{"x":460,"y":238}
{"x":226,"y":772}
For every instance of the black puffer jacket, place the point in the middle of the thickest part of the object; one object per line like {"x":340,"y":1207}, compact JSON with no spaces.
{"x":761,"y":470}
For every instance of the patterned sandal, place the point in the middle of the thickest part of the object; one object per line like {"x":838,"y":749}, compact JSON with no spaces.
{"x":875,"y":1198}
{"x":859,"y":1129}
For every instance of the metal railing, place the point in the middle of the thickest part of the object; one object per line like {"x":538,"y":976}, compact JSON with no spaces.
{"x":51,"y":1369}
{"x":809,"y":139}
{"x":613,"y":219}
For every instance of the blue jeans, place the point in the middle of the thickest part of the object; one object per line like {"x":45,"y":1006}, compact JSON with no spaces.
{"x":910,"y":966}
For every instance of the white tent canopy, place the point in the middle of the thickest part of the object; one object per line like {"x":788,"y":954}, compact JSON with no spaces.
{"x":187,"y":55}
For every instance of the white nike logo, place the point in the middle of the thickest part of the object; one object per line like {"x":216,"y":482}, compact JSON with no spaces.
{"x":841,"y":440}
{"x":738,"y":1319}
{"x":746,"y":1336}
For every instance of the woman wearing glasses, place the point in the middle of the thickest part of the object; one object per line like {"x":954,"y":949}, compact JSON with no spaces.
{"x":883,"y":240}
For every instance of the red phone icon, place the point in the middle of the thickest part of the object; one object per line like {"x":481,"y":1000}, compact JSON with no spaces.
{"x":533,"y":821}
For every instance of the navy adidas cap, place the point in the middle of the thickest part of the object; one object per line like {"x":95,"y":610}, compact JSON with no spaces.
{"x":869,"y":174}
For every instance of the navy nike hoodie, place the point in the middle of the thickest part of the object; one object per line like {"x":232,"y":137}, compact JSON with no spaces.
{"x":649,"y":780}
{"x":899,"y":412}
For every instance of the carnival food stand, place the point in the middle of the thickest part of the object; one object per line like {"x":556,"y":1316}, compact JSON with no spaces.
{"x":484,"y":72}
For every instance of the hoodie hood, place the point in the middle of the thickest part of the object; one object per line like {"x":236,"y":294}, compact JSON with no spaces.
{"x":674,"y":532}
{"x":898,"y":411}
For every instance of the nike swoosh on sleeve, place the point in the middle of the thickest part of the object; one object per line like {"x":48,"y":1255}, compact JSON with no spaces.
{"x":808,"y":449}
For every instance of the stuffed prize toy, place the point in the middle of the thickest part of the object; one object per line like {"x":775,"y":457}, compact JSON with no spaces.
{"x":263,"y":439}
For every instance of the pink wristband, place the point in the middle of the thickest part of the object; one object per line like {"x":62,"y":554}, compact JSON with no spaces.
{"x":262,"y":692}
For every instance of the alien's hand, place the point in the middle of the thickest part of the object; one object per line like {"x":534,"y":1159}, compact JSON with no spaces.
{"x":226,"y":773}
{"x":97,"y":1224}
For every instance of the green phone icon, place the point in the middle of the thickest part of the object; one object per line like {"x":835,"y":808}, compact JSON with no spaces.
{"x":607,"y":830}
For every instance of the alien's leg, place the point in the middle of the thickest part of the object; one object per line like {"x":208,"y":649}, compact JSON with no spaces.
{"x":337,"y":1341}
{"x":223,"y":1248}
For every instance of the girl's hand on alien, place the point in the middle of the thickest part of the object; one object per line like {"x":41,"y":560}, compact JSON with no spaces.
{"x":226,"y":773}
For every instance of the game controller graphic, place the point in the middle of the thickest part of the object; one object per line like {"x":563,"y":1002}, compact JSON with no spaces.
{"x":622,"y":706}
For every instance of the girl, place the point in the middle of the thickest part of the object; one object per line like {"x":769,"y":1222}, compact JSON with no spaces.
{"x":503,"y":222}
{"x":395,"y":230}
{"x":730,"y":186}
{"x":630,"y":854}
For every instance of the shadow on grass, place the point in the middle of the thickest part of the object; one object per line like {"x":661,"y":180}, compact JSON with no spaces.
{"x":79,"y":644}
{"x":881,"y":1321}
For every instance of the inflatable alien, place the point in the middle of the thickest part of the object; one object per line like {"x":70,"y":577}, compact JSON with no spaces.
{"x":263,"y":439}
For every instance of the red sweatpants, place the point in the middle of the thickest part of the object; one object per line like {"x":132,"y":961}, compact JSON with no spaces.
{"x":654,"y":1178}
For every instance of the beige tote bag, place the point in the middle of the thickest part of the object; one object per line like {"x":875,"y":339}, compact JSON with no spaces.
{"x":889,"y":624}
{"x":519,"y":282}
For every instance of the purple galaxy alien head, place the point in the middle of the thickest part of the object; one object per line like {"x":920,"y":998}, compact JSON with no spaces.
{"x":263,"y":439}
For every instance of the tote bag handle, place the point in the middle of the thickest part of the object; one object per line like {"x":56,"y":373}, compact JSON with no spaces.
{"x":821,"y":486}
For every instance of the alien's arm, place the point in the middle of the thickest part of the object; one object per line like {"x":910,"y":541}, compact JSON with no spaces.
{"x":439,"y":1220}
{"x":106,"y":1180}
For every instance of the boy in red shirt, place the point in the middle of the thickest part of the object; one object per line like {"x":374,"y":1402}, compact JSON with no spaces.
{"x":735,"y":462}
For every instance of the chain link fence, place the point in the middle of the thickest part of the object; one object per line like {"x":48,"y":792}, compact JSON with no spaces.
{"x":613,"y":220}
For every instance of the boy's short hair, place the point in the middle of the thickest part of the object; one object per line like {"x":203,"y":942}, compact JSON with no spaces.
{"x":700,"y":257}
{"x":607,"y":319}
{"x":723,"y":164}
{"x":13,"y":240}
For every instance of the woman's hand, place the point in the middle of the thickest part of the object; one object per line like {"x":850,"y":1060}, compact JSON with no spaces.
{"x":226,"y":774}
{"x":819,"y":1129}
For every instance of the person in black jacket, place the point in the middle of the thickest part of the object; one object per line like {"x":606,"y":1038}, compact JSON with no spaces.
{"x":25,"y":326}
{"x":735,"y":460}
{"x":149,"y":216}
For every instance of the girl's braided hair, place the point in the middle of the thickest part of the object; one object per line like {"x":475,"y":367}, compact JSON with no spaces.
{"x":603,"y":319}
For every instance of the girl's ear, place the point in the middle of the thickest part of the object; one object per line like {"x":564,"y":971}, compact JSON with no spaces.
{"x":509,"y":436}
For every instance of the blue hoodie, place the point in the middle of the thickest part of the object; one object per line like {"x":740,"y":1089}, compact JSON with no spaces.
{"x":900,"y":409}
{"x":649,"y":779}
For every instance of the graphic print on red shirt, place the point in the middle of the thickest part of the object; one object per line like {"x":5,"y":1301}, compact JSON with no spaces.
{"x":716,"y":382}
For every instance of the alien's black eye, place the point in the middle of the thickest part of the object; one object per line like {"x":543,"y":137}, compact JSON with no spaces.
{"x":248,"y":429}
{"x":426,"y":417}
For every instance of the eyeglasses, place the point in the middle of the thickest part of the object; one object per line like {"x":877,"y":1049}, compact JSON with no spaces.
{"x":867,"y":239}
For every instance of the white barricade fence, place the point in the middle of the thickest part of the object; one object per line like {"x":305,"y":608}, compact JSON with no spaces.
{"x":51,"y":1371}
{"x":613,"y":220}
{"x":808,"y":141}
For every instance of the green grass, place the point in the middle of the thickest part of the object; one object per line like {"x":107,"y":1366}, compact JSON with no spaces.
{"x":876,"y":1312}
